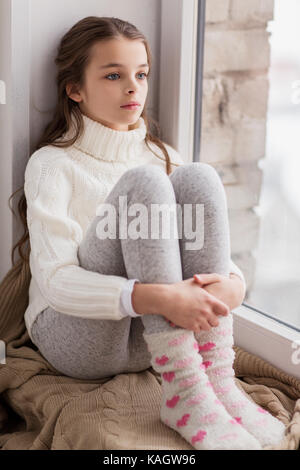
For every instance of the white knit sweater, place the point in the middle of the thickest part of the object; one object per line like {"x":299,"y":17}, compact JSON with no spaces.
{"x":63,"y":188}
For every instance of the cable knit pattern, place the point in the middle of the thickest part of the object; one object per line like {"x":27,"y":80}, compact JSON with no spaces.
{"x":63,"y":188}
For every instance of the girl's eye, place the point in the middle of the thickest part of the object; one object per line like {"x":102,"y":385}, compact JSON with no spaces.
{"x":110,"y":75}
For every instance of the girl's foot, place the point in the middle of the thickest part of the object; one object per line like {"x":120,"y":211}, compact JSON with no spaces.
{"x":189,"y":404}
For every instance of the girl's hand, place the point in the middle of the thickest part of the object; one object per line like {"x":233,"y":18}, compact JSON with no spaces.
{"x":204,"y":279}
{"x":190,"y":307}
{"x":230,"y":290}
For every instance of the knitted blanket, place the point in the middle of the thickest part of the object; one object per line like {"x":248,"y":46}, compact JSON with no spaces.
{"x":42,"y":409}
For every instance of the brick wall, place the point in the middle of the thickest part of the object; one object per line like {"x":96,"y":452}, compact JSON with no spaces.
{"x":235,"y":100}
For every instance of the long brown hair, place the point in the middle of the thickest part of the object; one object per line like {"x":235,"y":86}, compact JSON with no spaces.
{"x":72,"y":58}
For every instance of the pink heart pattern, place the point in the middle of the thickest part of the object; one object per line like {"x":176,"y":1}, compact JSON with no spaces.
{"x":179,"y":340}
{"x":261,"y":422}
{"x":224,"y":372}
{"x":223,"y":390}
{"x":239,"y":404}
{"x":238,"y":419}
{"x":233,"y":421}
{"x":199,"y":436}
{"x":173,"y":402}
{"x":190,"y":381}
{"x":225,"y":354}
{"x":224,"y":332}
{"x":206,"y":347}
{"x":183,"y":362}
{"x":197,"y":399}
{"x":183,"y":421}
{"x":168,"y":376}
{"x":209,"y":418}
{"x":161,"y":360}
{"x":207,"y":364}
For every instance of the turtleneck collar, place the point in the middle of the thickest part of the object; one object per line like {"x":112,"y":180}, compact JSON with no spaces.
{"x":108,"y":144}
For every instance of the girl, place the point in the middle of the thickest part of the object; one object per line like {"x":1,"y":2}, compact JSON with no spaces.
{"x":104,"y":306}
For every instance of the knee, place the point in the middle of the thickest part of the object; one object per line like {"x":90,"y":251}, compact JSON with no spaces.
{"x":200,"y":176}
{"x":146,"y":173}
{"x":199,"y":170}
{"x":148,"y":177}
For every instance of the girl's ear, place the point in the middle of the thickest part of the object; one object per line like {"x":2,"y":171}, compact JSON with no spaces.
{"x":73,"y":93}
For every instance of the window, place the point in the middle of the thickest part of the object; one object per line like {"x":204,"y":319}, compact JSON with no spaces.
{"x":268,"y":322}
{"x":277,"y":279}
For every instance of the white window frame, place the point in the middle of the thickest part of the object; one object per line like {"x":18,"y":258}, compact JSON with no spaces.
{"x":254,"y":331}
{"x":268,"y":338}
{"x":177,"y":74}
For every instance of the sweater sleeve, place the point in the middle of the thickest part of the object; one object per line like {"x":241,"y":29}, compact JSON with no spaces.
{"x":126,"y":299}
{"x":54,"y":240}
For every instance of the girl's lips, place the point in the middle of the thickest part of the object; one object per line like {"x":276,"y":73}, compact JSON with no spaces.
{"x":131,"y":106}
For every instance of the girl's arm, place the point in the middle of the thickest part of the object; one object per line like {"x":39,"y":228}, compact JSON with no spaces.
{"x":55,"y":237}
{"x":148,"y":298}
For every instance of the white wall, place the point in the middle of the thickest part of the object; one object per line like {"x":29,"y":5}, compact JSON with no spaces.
{"x":30,"y":31}
{"x":50,"y":19}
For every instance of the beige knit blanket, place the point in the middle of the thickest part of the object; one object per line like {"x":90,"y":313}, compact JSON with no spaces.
{"x":42,"y":409}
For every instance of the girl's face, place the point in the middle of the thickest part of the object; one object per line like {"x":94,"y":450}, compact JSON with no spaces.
{"x":107,"y":88}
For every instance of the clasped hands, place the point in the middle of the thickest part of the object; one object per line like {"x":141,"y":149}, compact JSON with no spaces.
{"x":230,"y":290}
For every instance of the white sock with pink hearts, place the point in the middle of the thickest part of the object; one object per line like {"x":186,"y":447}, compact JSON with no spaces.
{"x":216,"y":349}
{"x":189,"y":404}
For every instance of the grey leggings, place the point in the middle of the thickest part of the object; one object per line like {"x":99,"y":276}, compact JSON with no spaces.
{"x":91,"y":349}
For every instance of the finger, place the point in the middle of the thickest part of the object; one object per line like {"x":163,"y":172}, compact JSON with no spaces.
{"x":207,"y":278}
{"x":204,"y":325}
{"x":220,"y":308}
{"x":198,"y":279}
{"x":213,"y":320}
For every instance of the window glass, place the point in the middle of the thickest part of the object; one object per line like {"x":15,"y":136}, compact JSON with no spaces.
{"x":276,"y":289}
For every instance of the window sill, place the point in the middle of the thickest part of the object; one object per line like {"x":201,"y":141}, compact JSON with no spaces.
{"x":268,"y":339}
